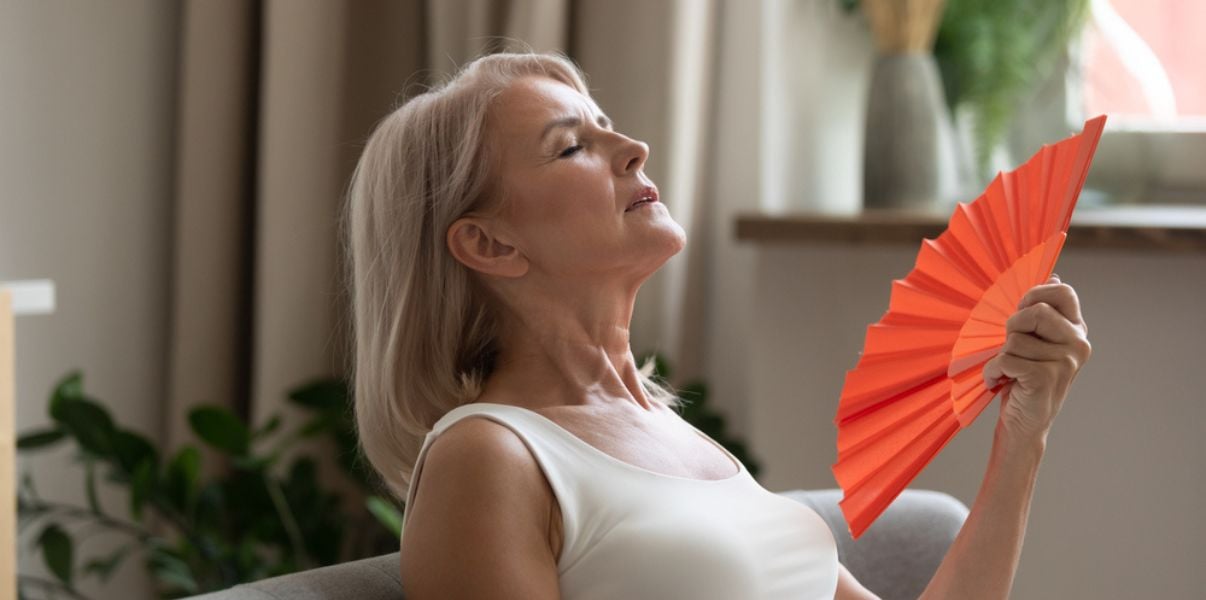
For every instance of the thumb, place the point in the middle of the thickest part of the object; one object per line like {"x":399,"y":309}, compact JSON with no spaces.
{"x":992,"y":372}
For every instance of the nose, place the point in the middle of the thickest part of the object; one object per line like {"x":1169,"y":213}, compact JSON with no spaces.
{"x":631,"y":156}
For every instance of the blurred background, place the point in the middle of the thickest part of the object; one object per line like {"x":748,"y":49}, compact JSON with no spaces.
{"x":176,"y":168}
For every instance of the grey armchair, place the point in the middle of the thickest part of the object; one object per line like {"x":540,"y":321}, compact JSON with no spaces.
{"x":895,"y":558}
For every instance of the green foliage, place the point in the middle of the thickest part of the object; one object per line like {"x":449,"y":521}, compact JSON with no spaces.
{"x":331,"y":401}
{"x":221,"y":429}
{"x":57,"y":551}
{"x":386,"y":513}
{"x":992,"y":53}
{"x":37,"y":439}
{"x":247,"y":524}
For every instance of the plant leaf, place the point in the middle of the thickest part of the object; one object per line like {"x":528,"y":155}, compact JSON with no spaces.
{"x":70,"y":387}
{"x":57,"y":551}
{"x":88,"y":422}
{"x":104,"y":567}
{"x":90,"y":487}
{"x":132,"y":449}
{"x":171,"y":570}
{"x":316,"y":426}
{"x":272,"y":425}
{"x":38,"y":439}
{"x":182,"y":473}
{"x":221,"y":429}
{"x":387,"y":514}
{"x":327,"y":395}
{"x":140,"y":487}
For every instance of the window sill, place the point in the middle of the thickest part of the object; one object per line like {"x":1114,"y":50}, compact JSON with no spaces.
{"x":1166,"y":228}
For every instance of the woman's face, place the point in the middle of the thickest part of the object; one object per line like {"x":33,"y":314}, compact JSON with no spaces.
{"x":569,"y":180}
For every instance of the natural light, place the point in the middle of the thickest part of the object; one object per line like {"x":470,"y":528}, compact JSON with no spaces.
{"x":1143,"y":62}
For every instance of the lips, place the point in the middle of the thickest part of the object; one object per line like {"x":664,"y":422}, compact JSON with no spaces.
{"x":646,"y":194}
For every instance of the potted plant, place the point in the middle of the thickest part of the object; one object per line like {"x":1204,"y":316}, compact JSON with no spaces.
{"x":990,"y":55}
{"x":249,"y":523}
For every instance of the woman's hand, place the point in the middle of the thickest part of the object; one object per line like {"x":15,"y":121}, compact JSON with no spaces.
{"x":1046,"y":344}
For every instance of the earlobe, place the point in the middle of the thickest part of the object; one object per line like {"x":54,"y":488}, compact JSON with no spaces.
{"x":477,"y":248}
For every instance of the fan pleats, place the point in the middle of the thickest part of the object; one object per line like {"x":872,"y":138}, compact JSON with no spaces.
{"x":919,"y":379}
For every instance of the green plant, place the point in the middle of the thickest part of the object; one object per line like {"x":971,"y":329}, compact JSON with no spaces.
{"x":991,"y":53}
{"x":244,"y":525}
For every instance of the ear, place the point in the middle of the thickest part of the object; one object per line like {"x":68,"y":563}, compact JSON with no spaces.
{"x":477,"y":244}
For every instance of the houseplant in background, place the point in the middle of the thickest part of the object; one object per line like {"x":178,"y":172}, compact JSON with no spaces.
{"x":246,"y":524}
{"x":991,"y":54}
{"x":249,"y":523}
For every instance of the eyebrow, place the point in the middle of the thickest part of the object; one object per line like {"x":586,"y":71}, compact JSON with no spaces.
{"x":604,"y":122}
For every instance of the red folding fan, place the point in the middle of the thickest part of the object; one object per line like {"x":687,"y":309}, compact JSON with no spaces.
{"x":919,"y":381}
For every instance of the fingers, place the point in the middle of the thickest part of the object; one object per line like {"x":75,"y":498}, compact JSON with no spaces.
{"x":1046,"y":322}
{"x":1026,"y":345}
{"x":1029,"y":358}
{"x":1005,"y":366}
{"x":1059,"y":295}
{"x":1031,"y":373}
{"x":1050,"y":311}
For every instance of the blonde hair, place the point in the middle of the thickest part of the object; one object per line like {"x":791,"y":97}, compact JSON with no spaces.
{"x":425,"y":331}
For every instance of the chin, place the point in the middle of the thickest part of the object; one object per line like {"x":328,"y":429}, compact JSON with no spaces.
{"x":658,"y":248}
{"x":671,"y":241}
{"x":679,"y":238}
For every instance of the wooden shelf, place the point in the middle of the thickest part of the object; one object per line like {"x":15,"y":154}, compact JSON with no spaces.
{"x":1142,"y":227}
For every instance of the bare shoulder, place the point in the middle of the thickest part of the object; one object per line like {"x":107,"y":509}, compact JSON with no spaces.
{"x":482,"y":506}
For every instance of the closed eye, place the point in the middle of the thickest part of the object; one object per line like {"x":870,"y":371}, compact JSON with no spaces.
{"x":569,"y":151}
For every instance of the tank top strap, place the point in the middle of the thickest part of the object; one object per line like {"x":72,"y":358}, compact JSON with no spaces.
{"x":559,"y":456}
{"x":551,"y":444}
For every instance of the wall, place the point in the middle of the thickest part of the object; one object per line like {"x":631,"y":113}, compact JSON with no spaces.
{"x":86,"y":119}
{"x":736,"y":187}
{"x":1114,"y":512}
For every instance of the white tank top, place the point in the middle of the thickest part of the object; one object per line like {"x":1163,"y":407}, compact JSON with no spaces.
{"x":631,"y":533}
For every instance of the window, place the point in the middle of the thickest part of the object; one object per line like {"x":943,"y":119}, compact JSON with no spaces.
{"x":1143,"y":62}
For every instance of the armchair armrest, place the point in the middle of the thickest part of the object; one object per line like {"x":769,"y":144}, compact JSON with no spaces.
{"x":898,"y":555}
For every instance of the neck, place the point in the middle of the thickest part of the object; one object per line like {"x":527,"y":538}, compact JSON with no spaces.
{"x":569,"y":348}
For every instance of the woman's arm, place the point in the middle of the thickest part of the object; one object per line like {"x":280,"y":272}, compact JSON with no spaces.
{"x":984,"y":556}
{"x":1046,"y":345}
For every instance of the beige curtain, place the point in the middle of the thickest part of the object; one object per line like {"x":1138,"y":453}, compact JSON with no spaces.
{"x":275,"y":101}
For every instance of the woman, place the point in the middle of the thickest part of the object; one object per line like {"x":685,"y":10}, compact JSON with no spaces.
{"x":499,"y":230}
